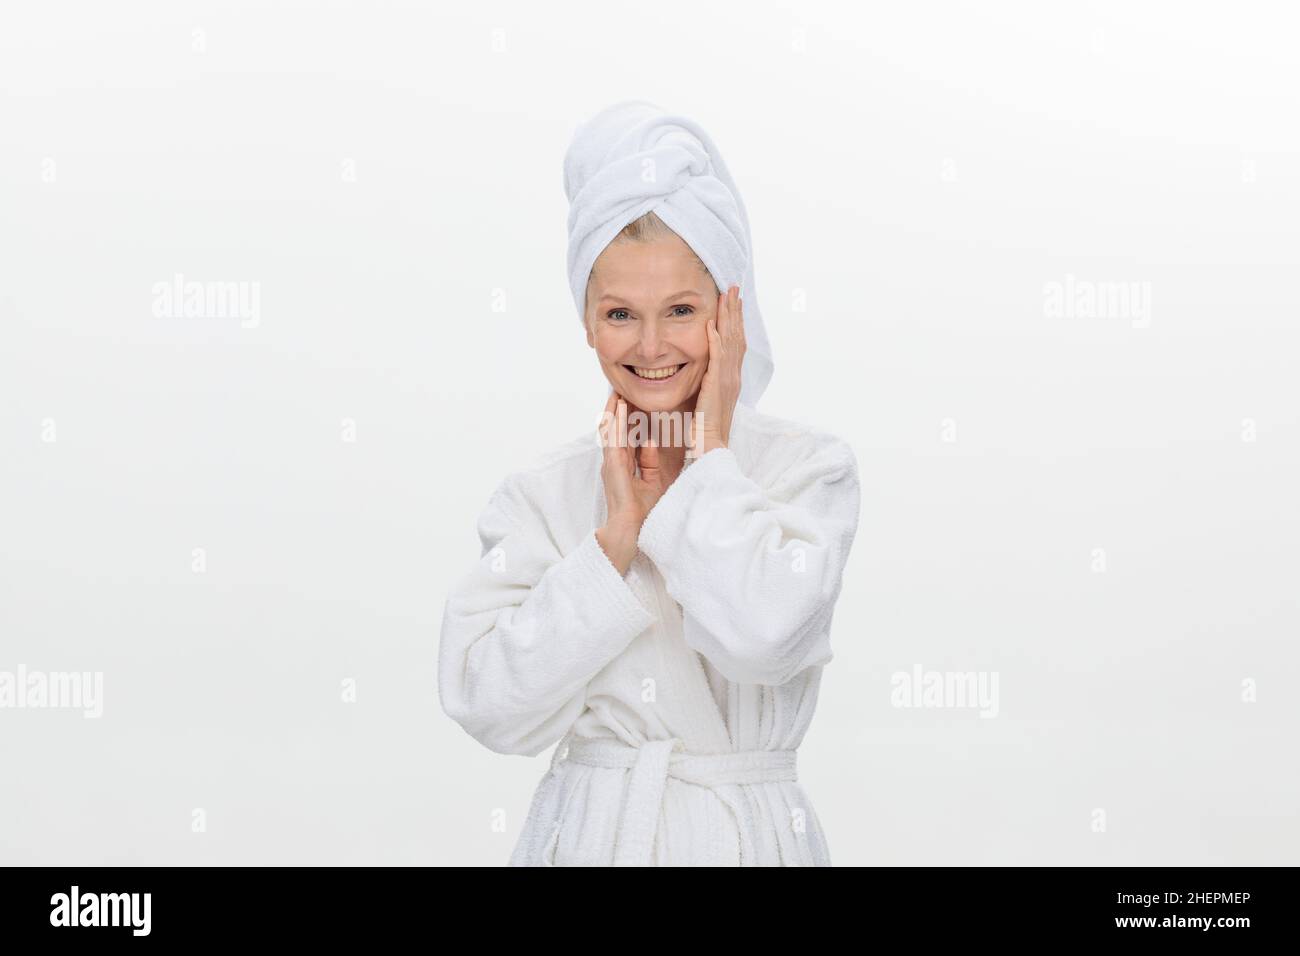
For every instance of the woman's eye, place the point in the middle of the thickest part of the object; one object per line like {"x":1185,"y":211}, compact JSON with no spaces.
{"x":617,"y":315}
{"x":689,"y":310}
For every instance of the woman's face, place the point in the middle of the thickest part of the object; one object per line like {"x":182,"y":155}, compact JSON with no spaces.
{"x":648,"y":307}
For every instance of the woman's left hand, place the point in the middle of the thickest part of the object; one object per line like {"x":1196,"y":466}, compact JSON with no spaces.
{"x":711,"y":423}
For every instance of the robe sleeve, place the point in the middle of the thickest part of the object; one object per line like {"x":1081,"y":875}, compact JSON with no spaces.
{"x":757,"y":572}
{"x":528,"y":628}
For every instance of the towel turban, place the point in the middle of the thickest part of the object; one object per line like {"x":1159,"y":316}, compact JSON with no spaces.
{"x":633,"y":158}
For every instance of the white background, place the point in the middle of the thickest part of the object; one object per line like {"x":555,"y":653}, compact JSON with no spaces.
{"x":915,"y":173}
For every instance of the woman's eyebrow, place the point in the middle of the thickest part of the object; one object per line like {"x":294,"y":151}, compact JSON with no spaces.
{"x":609,"y":296}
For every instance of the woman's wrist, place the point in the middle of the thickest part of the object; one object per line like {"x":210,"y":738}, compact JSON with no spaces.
{"x":705,"y":440}
{"x":710,"y":442}
{"x":618,"y":540}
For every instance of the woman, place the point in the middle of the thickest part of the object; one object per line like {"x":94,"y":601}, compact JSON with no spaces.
{"x":659,"y":610}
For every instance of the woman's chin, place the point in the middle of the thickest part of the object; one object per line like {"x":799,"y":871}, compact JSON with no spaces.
{"x":653,"y":398}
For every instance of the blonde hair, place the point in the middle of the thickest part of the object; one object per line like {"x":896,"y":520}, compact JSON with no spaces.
{"x":648,"y":228}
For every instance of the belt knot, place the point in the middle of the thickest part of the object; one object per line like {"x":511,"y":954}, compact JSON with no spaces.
{"x":652,"y":763}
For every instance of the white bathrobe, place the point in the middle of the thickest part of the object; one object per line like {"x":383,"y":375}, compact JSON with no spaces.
{"x":676,"y":697}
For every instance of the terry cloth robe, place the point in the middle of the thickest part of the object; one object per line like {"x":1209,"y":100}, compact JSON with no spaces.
{"x":675,"y":697}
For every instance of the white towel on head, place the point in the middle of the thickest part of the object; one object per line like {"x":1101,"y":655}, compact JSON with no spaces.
{"x":632,"y":158}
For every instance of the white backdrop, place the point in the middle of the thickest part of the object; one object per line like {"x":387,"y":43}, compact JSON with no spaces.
{"x":241,"y":518}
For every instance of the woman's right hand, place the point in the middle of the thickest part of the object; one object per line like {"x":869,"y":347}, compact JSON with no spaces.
{"x":633,"y":482}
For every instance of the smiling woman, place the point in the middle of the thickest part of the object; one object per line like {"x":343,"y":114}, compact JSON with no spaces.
{"x":663,"y":627}
{"x":653,"y":347}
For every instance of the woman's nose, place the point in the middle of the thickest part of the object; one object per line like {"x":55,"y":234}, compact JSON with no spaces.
{"x":651,"y":336}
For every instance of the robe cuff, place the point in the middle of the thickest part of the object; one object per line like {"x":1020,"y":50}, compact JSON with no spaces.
{"x":661,"y":528}
{"x":609,"y":588}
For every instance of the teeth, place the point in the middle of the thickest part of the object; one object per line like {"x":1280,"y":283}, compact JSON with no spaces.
{"x":656,"y":372}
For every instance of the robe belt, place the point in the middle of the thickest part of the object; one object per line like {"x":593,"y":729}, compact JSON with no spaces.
{"x":652,"y":763}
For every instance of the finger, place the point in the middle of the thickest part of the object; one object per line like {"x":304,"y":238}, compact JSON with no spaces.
{"x":648,"y":456}
{"x":715,"y":348}
{"x":626,"y":439}
{"x":603,"y":426}
{"x":733,"y":312}
{"x":648,"y":462}
{"x":614,"y":470}
{"x":608,"y":435}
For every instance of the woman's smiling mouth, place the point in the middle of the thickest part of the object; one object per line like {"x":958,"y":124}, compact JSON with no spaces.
{"x":656,"y":374}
